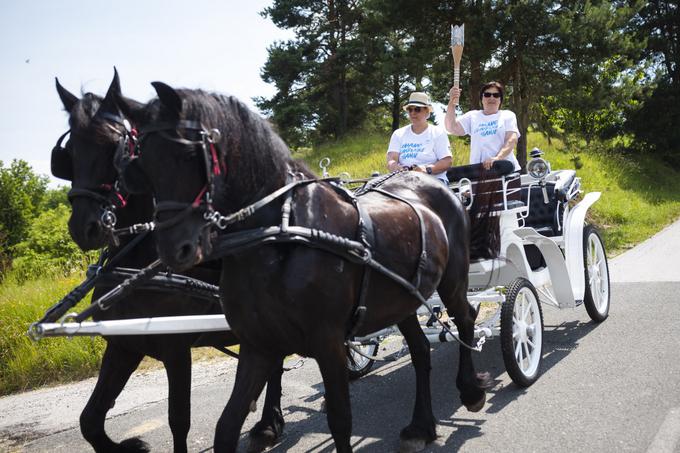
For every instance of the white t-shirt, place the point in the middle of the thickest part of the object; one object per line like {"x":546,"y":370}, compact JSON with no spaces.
{"x":487,"y":134}
{"x":425,"y":148}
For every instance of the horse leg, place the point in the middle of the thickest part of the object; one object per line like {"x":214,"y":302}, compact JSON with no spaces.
{"x":471,"y":385}
{"x":422,"y":428}
{"x":268,"y":430}
{"x":332,"y":360}
{"x":117,"y":366}
{"x":251,"y":374}
{"x":178,"y":370}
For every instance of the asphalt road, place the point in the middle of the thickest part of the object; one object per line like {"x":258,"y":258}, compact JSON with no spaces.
{"x":612,"y":387}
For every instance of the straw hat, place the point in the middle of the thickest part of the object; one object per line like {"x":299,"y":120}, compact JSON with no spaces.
{"x":418,"y":99}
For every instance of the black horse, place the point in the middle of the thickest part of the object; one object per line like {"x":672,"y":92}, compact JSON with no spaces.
{"x":96,"y":130}
{"x":305,"y":287}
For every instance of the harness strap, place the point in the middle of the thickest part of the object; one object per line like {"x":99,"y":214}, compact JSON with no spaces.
{"x":353,"y":251}
{"x":376,"y":182}
{"x":422,"y":261}
{"x":107,"y":300}
{"x":77,"y":192}
{"x":367,"y":237}
{"x":223,"y":222}
{"x":94,"y":275}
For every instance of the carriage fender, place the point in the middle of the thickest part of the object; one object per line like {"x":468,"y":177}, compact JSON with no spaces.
{"x":557,"y":269}
{"x":573,"y":243}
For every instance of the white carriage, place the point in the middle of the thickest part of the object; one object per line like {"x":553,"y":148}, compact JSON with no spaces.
{"x":547,"y":255}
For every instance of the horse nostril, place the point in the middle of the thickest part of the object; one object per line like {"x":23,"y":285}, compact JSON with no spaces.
{"x":184,"y":253}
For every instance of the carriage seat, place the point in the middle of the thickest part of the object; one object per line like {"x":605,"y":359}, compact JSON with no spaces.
{"x":491,"y":182}
{"x":474,"y":171}
{"x":545,"y":218}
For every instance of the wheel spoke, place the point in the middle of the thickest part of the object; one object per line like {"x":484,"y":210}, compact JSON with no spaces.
{"x":526,"y":355}
{"x":525,"y":307}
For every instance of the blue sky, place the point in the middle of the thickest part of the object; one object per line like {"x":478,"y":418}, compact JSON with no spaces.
{"x":209,"y":44}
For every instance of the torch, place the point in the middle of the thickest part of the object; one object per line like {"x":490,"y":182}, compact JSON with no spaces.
{"x":457,"y":40}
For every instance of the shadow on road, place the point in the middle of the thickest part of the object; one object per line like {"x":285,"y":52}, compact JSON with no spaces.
{"x":382,"y":402}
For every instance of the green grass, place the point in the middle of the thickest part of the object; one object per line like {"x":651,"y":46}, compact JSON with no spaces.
{"x":25,"y":364}
{"x":640,"y":195}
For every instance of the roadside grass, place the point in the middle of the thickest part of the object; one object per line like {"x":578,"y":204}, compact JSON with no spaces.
{"x":25,"y":364}
{"x":640,"y":196}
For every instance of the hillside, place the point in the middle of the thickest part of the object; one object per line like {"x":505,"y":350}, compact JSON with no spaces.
{"x":640,"y":194}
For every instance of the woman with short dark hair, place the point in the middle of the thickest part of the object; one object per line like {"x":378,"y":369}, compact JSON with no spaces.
{"x":493,"y":132}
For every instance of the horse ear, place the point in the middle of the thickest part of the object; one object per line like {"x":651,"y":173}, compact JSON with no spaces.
{"x":168,"y":96}
{"x":115,"y":101}
{"x":68,"y":99}
{"x":113,"y":93}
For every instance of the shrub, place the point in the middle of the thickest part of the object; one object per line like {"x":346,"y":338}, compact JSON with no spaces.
{"x":48,"y":249}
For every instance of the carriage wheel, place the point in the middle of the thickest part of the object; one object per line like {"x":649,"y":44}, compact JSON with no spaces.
{"x":359,"y":365}
{"x":596,"y":297}
{"x":522,"y":332}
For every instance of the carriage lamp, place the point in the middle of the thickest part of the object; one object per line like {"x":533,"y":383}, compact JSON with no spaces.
{"x":538,"y":168}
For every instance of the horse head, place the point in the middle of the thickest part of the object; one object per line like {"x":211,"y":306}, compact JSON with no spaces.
{"x":97,"y":129}
{"x":199,"y":152}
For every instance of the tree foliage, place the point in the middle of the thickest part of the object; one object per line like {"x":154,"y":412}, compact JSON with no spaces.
{"x":320,"y":89}
{"x":575,"y":69}
{"x":21,"y":197}
{"x":48,"y":248}
{"x":655,"y":120}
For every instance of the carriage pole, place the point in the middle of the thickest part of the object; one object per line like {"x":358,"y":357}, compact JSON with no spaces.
{"x":457,"y":41}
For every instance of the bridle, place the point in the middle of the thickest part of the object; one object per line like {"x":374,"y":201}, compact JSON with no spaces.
{"x":110,"y":196}
{"x":213,"y":167}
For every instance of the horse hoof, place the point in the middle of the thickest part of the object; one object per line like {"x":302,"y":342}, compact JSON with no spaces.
{"x":266,"y":434}
{"x":262,"y":442}
{"x":476,"y":407}
{"x":411,"y":445}
{"x":134,"y":445}
{"x":253,"y":406}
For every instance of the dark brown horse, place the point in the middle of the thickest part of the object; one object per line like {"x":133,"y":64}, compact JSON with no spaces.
{"x":96,"y":130}
{"x":293,"y":262}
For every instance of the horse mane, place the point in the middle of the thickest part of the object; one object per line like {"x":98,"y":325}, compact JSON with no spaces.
{"x":249,"y":147}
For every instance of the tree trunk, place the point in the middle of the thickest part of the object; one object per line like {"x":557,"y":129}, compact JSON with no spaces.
{"x":520,"y":97}
{"x":396,"y":104}
{"x":475,"y":83}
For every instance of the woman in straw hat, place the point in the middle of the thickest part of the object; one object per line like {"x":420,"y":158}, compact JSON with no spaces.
{"x":420,"y":146}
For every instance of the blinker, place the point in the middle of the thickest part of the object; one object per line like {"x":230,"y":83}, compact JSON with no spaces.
{"x":61,"y":163}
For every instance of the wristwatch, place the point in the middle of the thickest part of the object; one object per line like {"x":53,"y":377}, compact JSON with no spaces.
{"x":428,"y":169}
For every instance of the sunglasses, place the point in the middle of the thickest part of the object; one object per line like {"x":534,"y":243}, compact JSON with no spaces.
{"x":488,"y":95}
{"x":416,"y":109}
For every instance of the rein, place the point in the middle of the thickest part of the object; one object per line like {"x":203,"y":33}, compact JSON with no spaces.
{"x":236,"y":242}
{"x":358,"y":252}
